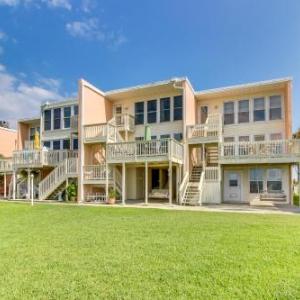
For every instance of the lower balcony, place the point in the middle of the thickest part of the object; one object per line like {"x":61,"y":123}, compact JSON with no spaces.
{"x":279,"y":151}
{"x":142,"y":151}
{"x":96,"y":174}
{"x":5,"y":165}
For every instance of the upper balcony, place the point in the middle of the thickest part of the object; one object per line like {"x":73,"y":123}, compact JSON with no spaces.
{"x":99,"y":133}
{"x":40,"y":158}
{"x":6,"y":165}
{"x":208,"y":132}
{"x":124,"y":122}
{"x":141,"y":151}
{"x":278,"y":151}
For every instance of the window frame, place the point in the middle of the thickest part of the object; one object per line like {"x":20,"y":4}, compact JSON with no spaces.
{"x":257,"y":183}
{"x":152,"y":112}
{"x":56,"y":118}
{"x":67,"y":117}
{"x":229,"y":114}
{"x":47,"y":120}
{"x":164,"y":113}
{"x":139,"y":113}
{"x":53,"y":144}
{"x":275,"y":180}
{"x":275,"y":108}
{"x":259,"y":110}
{"x":178,"y":108}
{"x":242,"y":113}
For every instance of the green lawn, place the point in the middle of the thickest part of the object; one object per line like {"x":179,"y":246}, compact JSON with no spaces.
{"x":69,"y":252}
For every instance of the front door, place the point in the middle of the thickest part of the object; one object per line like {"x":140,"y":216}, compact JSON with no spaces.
{"x":233,"y":187}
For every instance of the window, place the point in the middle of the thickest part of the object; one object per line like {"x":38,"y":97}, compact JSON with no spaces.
{"x":275,"y":136}
{"x":153,"y":137}
{"x":256,"y":181}
{"x":139,"y":113}
{"x":67,"y":117}
{"x":56,"y":145}
{"x":275,"y":108}
{"x":75,"y":110}
{"x":244,"y":138}
{"x":177,"y":108}
{"x":66,"y":144}
{"x":151,"y":111}
{"x":274,"y":180}
{"x":57,"y":118}
{"x":259,"y":109}
{"x":75,"y":144}
{"x":164,"y":136}
{"x":31,"y":133}
{"x":178,"y":136}
{"x":164,"y":109}
{"x":47,"y":144}
{"x":139,"y":138}
{"x":228,"y":139}
{"x":47,"y":119}
{"x":228,"y":113}
{"x":233,"y":180}
{"x":243,"y":116}
{"x":244,"y":147}
{"x":259,"y":138}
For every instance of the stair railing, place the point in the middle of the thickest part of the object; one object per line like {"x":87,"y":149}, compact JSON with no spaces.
{"x":183,"y":187}
{"x":201,"y":186}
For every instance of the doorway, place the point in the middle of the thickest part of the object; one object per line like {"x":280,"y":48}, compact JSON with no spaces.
{"x":233,"y":186}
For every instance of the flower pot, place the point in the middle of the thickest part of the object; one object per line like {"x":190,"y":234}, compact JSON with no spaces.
{"x":111,"y":200}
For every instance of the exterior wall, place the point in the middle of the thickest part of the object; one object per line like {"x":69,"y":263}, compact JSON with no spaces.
{"x":215,"y":105}
{"x":8,"y":141}
{"x":247,"y":197}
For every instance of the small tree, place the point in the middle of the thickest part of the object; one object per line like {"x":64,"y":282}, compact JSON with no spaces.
{"x":72,"y":191}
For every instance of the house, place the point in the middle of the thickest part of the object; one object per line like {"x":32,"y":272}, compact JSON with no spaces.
{"x":164,"y":142}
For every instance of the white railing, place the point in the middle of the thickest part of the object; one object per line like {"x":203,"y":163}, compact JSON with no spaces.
{"x":125,"y":151}
{"x":29,"y":145}
{"x":6,"y":165}
{"x":105,"y":132}
{"x":67,"y":168}
{"x":182,"y":187}
{"x":212,"y":173}
{"x":124,"y":121}
{"x":257,"y":150}
{"x":201,"y":186}
{"x":95,"y":197}
{"x":96,"y":172}
{"x":210,"y":130}
{"x":54,"y":157}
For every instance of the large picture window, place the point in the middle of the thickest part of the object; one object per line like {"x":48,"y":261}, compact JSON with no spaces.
{"x":47,"y":119}
{"x":274,"y":180}
{"x":259,"y":109}
{"x":57,"y":118}
{"x":228,"y":113}
{"x":164,"y":109}
{"x":139,"y":113}
{"x":243,"y":116}
{"x":151,"y":111}
{"x":275,"y":108}
{"x":256,"y":181}
{"x":177,"y":108}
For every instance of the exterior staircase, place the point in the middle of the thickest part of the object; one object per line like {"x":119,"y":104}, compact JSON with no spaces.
{"x":52,"y":185}
{"x":192,"y":191}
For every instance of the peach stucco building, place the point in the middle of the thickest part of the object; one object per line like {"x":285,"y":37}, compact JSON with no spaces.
{"x":163,"y":142}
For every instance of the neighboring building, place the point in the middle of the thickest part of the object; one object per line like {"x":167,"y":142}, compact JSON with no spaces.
{"x":231,"y":145}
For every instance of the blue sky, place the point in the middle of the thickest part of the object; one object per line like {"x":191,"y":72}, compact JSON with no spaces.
{"x":47,"y":45}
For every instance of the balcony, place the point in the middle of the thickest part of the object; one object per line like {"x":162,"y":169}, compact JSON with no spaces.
{"x":141,"y":151}
{"x":124,"y":122}
{"x":209,"y":132}
{"x":96,"y":174}
{"x":100,"y":133}
{"x":279,"y":151}
{"x":5,"y":165}
{"x":40,"y":158}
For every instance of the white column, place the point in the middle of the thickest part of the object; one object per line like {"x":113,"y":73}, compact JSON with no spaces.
{"x":28,"y":184}
{"x":170,"y":182}
{"x":114,"y":177}
{"x":14,"y":185}
{"x":146,"y":182}
{"x":177,"y":182}
{"x":123,"y":183}
{"x":4,"y":185}
{"x":66,"y":194}
{"x":31,"y":187}
{"x":106,"y":181}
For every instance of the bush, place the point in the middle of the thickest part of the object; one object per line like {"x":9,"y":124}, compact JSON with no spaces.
{"x":296,"y":199}
{"x":72,"y":191}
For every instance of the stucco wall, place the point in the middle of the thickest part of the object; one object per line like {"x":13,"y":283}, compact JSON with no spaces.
{"x":8,"y":141}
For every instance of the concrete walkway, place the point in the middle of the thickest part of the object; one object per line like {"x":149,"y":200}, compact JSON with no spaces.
{"x":231,"y":208}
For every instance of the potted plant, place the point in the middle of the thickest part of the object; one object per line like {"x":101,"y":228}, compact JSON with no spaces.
{"x":112,"y":196}
{"x":72,"y":191}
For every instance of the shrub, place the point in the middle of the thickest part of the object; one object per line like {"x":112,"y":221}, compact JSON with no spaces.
{"x":296,"y":199}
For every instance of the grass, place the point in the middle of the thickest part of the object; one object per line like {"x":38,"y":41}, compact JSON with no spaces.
{"x":69,"y":252}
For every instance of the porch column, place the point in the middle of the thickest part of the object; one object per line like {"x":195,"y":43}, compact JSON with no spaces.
{"x":123,"y":183}
{"x":106,"y":181}
{"x":170,"y":182}
{"x":146,"y":183}
{"x":66,"y":194}
{"x":14,"y":185}
{"x":31,"y":188}
{"x":28,"y":184}
{"x":4,"y":185}
{"x":177,"y":182}
{"x":203,"y":155}
{"x":114,"y":177}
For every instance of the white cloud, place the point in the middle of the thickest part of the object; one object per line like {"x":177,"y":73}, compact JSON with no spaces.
{"x":59,"y":3}
{"x":1,"y":50}
{"x":2,"y":34}
{"x":90,"y":29}
{"x":20,"y":99}
{"x":87,"y":5}
{"x":9,"y":2}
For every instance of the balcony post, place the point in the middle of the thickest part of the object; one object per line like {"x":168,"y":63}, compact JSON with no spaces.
{"x":14,"y":185}
{"x":4,"y":185}
{"x":28,"y":184}
{"x":146,"y":183}
{"x":123,"y":183}
{"x":106,"y":181}
{"x":170,"y":182}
